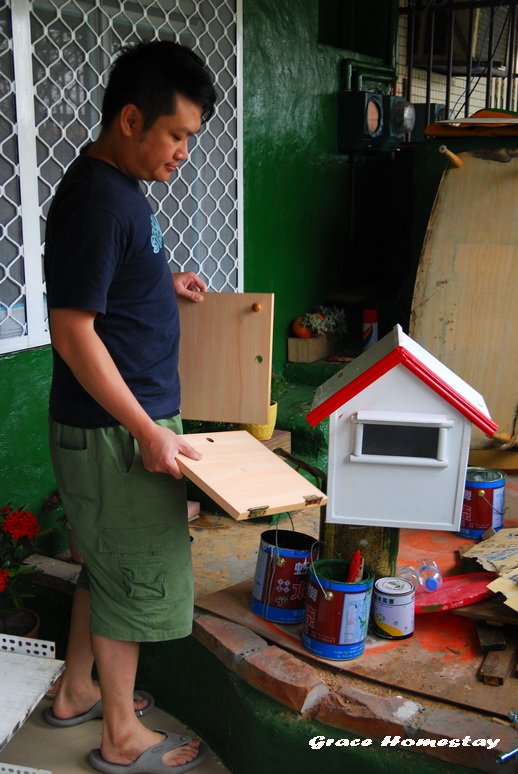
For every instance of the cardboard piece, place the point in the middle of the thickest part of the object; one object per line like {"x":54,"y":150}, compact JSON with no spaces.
{"x":245,"y":477}
{"x":500,"y":554}
{"x":226,"y":357}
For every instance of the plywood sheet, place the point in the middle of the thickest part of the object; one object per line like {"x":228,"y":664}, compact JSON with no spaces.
{"x":225,"y":357}
{"x":442,"y":655}
{"x":244,"y":477}
{"x":464,"y":303}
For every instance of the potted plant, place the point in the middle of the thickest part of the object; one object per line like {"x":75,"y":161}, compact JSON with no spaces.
{"x":19,"y":530}
{"x":313,"y":334}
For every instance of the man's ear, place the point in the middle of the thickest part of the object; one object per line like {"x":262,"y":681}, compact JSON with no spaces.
{"x":130,"y":120}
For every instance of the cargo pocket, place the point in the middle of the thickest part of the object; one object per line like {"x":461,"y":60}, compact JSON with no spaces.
{"x":71,"y":458}
{"x":143,"y":580}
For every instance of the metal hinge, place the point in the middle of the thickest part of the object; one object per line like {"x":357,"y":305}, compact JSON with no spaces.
{"x":259,"y":511}
{"x":312,"y":499}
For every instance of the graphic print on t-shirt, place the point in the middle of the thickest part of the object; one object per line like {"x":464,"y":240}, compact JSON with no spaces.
{"x":157,"y":240}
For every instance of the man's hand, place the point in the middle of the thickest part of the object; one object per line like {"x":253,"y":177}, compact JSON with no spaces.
{"x":188,"y":285}
{"x":159,"y":448}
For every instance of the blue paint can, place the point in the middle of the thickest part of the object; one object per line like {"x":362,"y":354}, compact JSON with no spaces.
{"x":337,"y":612}
{"x":484,"y":502}
{"x":279,"y":590}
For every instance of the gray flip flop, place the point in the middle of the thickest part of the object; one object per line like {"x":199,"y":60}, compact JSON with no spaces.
{"x":96,"y":712}
{"x":150,"y":761}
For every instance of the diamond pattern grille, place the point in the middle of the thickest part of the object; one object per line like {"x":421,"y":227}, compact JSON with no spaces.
{"x":12,"y":275}
{"x":73,"y":43}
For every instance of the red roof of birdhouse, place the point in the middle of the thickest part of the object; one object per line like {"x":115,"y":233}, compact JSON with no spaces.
{"x":395,"y":349}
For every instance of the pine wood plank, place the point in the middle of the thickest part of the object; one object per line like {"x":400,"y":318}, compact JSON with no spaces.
{"x":245,"y":477}
{"x":225,"y":357}
{"x":467,"y":281}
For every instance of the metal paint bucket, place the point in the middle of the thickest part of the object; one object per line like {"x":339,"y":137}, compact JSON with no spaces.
{"x":279,"y":590}
{"x":484,"y":502}
{"x":393,"y":608}
{"x":337,"y":612}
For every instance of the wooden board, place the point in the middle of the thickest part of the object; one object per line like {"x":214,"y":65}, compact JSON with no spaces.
{"x":244,"y":477}
{"x":463,"y":309}
{"x":442,"y":655}
{"x":506,"y":460}
{"x":225,"y":357}
{"x":497,"y":665}
{"x":490,"y":637}
{"x":492,"y":611}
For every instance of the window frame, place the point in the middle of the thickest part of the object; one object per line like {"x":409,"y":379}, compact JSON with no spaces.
{"x":401,"y":419}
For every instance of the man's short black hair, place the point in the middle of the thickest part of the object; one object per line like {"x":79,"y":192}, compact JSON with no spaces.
{"x":150,"y":75}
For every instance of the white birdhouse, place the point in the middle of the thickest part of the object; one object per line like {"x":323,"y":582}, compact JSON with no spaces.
{"x":399,"y":436}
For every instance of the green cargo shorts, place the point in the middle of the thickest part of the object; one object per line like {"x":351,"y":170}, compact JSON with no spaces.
{"x":131,"y":528}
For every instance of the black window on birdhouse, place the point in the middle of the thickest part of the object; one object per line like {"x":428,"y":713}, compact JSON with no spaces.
{"x":400,"y":438}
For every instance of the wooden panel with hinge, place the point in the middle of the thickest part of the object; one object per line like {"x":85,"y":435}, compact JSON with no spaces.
{"x":245,"y":478}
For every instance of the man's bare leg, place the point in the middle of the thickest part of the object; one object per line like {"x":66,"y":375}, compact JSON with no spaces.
{"x":124,"y":737}
{"x":77,"y":691}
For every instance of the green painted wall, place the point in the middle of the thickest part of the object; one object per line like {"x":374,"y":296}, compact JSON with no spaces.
{"x":26,"y":477}
{"x":295,"y":181}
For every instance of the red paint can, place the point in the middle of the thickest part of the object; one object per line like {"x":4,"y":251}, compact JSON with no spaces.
{"x":484,"y":502}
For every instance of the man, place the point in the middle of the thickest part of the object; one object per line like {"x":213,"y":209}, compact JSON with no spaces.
{"x":115,"y":400}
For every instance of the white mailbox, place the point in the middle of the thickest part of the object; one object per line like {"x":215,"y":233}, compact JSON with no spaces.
{"x":399,"y":435}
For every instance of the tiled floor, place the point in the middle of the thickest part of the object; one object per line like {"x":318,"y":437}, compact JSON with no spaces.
{"x":224,"y":553}
{"x":65,"y":750}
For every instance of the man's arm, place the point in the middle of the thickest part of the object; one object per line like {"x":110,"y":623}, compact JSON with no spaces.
{"x":75,"y":339}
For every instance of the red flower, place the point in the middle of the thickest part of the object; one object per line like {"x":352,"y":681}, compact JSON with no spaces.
{"x":4,"y":580}
{"x":21,"y":524}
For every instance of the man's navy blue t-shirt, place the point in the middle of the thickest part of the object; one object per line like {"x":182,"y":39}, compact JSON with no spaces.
{"x":104,"y":253}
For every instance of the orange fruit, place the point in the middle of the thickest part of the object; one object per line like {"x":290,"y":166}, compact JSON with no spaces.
{"x":301,"y":331}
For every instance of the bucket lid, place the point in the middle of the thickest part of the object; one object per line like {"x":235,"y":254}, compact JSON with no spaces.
{"x":483,"y":475}
{"x":395,"y":586}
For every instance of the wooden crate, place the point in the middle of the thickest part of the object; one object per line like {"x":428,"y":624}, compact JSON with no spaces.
{"x":309,"y":350}
{"x":281,"y":439}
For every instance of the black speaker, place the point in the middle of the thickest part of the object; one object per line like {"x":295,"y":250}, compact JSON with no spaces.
{"x":360,"y":120}
{"x":437,"y":113}
{"x":398,"y":121}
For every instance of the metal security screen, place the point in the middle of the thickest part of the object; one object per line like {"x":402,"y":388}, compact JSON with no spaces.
{"x":54,"y":60}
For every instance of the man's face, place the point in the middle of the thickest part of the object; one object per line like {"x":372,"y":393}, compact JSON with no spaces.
{"x":164,"y":146}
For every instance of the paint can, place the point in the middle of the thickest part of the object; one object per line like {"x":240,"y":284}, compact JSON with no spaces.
{"x":484,"y":502}
{"x":279,"y":589}
{"x":337,"y":612}
{"x":393,"y":608}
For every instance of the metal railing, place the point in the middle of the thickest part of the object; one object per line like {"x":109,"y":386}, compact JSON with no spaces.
{"x":465,"y":51}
